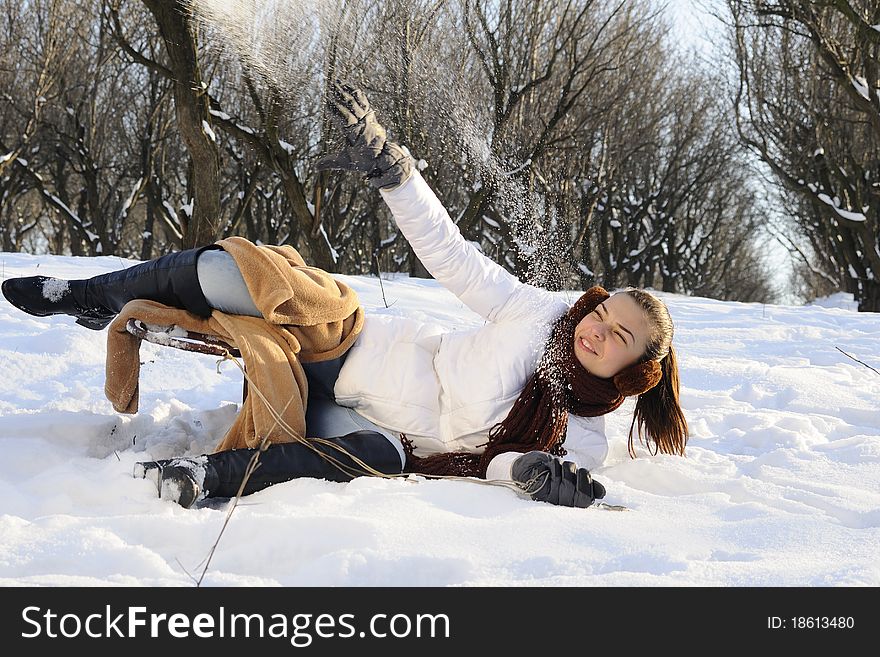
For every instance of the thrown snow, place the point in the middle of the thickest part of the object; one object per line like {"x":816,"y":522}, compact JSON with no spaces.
{"x":781,"y":485}
{"x":54,"y":289}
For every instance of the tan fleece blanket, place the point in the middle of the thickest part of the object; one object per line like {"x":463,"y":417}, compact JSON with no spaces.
{"x":309,"y":317}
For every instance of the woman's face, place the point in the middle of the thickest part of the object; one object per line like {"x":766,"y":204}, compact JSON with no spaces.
{"x":612,"y":337}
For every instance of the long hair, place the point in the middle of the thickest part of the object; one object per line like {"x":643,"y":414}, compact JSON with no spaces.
{"x":658,"y":416}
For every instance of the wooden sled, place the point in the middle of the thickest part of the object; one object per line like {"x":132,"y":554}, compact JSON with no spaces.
{"x":178,"y":338}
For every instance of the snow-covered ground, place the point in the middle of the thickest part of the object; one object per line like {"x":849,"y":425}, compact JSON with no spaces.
{"x":780,"y":487}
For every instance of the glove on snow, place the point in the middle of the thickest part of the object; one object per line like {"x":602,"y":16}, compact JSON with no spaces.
{"x":550,"y":480}
{"x":385,"y":163}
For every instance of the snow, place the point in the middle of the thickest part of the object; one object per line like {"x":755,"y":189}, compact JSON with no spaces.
{"x":92,"y":236}
{"x":837,"y":300}
{"x":845,"y":214}
{"x":223,"y":116}
{"x":54,"y":289}
{"x":780,"y":487}
{"x":834,"y":204}
{"x":861,"y":86}
{"x":130,"y":200}
{"x":170,"y":209}
{"x":334,"y":254}
{"x":206,"y":127}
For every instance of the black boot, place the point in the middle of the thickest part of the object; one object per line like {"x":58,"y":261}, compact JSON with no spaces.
{"x":187,"y":480}
{"x":180,"y":479}
{"x":169,"y":279}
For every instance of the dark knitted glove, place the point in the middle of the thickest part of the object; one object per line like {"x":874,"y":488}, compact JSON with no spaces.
{"x":547,"y":479}
{"x":385,"y":163}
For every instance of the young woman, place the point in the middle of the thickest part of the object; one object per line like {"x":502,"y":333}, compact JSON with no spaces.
{"x":496,"y":402}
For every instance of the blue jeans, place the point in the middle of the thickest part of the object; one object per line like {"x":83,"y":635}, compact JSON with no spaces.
{"x":327,"y":419}
{"x":225,"y":290}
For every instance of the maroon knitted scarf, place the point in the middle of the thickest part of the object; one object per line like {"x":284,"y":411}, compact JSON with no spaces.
{"x":539,"y":417}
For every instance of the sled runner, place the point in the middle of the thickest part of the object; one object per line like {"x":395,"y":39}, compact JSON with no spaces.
{"x":174,"y":336}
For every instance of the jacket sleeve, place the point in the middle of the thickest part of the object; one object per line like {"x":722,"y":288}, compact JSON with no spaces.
{"x":479,"y":282}
{"x":585,"y":443}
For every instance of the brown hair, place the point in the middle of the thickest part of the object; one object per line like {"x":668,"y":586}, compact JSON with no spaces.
{"x":658,"y":414}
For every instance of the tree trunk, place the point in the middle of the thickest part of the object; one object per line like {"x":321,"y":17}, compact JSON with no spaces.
{"x":869,"y":299}
{"x":319,"y":253}
{"x":191,"y":105}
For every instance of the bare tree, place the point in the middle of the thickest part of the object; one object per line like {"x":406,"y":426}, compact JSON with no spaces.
{"x":538,"y":60}
{"x":808,"y":106}
{"x":566,"y":139}
{"x":191,"y":102}
{"x":73,"y":163}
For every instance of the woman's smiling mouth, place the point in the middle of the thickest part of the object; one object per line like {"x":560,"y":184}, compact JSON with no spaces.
{"x":586,"y":346}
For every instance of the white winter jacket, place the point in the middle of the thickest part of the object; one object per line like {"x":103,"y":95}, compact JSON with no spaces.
{"x":445,"y":389}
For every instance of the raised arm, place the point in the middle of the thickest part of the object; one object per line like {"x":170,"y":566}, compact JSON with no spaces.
{"x":483,"y":285}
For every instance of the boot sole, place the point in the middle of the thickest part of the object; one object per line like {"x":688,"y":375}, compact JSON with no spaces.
{"x":94,"y":324}
{"x":185,"y":492}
